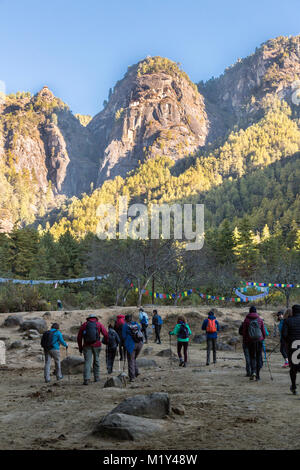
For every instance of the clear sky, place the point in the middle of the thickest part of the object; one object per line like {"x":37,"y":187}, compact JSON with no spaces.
{"x":80,"y":48}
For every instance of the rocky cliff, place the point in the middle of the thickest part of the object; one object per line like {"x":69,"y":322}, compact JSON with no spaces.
{"x":155,"y":109}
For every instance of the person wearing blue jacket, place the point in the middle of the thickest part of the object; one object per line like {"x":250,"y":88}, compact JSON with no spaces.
{"x":54,"y":352}
{"x":133,"y":347}
{"x":211,"y":326}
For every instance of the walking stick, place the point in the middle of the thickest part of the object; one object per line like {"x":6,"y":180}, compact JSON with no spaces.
{"x":266,"y":359}
{"x":273,"y":350}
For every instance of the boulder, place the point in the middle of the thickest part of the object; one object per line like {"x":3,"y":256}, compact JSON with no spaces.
{"x":224,"y":347}
{"x":165,"y":353}
{"x":125,"y":427}
{"x":38,"y":324}
{"x":113,"y":382}
{"x":146,"y":363}
{"x":147,"y":351}
{"x":155,"y":405}
{"x":198,"y":339}
{"x":72,"y":365}
{"x":47,"y":315}
{"x":234,"y":340}
{"x":16,"y":345}
{"x":71,"y":338}
{"x":13,"y":320}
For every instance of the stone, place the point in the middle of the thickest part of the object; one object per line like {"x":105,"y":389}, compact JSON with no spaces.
{"x":2,"y":353}
{"x":155,"y":405}
{"x":75,"y":328}
{"x":233,"y":341}
{"x":16,"y":345}
{"x":13,"y":320}
{"x":128,"y":428}
{"x":165,"y":353}
{"x":113,"y":382}
{"x":224,"y":347}
{"x":72,"y":365}
{"x":47,"y":315}
{"x":71,"y":338}
{"x":147,"y":351}
{"x":178,"y":410}
{"x":146,"y":363}
{"x":198,"y":339}
{"x":38,"y":324}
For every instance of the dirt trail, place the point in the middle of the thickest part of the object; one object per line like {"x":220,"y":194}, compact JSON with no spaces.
{"x":223,"y":409}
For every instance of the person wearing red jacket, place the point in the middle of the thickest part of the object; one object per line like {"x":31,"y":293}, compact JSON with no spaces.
{"x":89,"y":344}
{"x":254,"y":346}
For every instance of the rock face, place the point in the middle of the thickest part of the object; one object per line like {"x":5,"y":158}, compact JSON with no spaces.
{"x":155,"y":109}
{"x":72,"y":365}
{"x":13,"y":320}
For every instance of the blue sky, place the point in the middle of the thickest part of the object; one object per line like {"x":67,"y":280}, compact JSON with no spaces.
{"x":81,"y":48}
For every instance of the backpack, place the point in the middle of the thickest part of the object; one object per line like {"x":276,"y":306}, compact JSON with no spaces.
{"x":91,"y":334}
{"x":254,"y":330}
{"x":211,"y":326}
{"x":144,"y":320}
{"x":160,"y":321}
{"x":183,"y":331}
{"x":47,"y":340}
{"x":135,"y":333}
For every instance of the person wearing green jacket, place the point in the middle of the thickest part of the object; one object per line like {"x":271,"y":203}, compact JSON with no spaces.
{"x":182,"y":331}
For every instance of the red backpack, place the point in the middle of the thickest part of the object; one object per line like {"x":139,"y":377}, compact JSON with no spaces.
{"x":211,"y":326}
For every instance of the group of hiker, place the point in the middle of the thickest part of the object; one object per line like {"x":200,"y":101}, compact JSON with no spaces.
{"x":126,"y":338}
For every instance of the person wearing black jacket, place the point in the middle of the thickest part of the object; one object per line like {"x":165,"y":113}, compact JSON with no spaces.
{"x":157,"y":326}
{"x":291,"y":333}
{"x":112,"y":346}
{"x":246,"y":354}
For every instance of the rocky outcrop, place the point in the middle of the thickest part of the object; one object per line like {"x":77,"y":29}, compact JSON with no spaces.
{"x":149,"y":113}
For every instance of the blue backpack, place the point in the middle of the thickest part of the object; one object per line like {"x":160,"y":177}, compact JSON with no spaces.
{"x":160,"y":321}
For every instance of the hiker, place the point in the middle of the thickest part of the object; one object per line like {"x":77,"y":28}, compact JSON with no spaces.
{"x":144,"y":321}
{"x":211,"y":326}
{"x":59,"y":305}
{"x":118,"y":326}
{"x":50,"y":342}
{"x":253,"y":335}
{"x":283,"y":348}
{"x":89,"y":333}
{"x":133,"y":340}
{"x":291,"y":333}
{"x":246,"y":353}
{"x":156,"y":324}
{"x":111,"y":348}
{"x":182,"y":331}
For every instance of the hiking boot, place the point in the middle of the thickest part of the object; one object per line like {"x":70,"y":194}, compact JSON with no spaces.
{"x":97,"y":379}
{"x":286,"y":364}
{"x":85,"y":382}
{"x":207,"y":363}
{"x":184,"y":364}
{"x":253,"y":377}
{"x":293,"y":390}
{"x":181,"y":363}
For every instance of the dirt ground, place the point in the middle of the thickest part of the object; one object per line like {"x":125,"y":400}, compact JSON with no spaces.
{"x":223,"y":409}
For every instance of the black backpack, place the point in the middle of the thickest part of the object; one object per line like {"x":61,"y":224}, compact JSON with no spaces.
{"x":47,"y":340}
{"x":183,"y":332}
{"x":91,"y":333}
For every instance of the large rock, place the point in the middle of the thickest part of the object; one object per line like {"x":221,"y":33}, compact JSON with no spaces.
{"x":113,"y":382}
{"x":72,"y":365}
{"x":38,"y":324}
{"x":13,"y":320}
{"x":165,"y":353}
{"x":198,"y":339}
{"x":126,"y":427}
{"x":147,"y":351}
{"x":223,"y":347}
{"x":16,"y":345}
{"x":155,"y":405}
{"x":146,"y":363}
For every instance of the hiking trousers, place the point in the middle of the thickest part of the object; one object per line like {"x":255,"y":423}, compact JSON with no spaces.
{"x":144,"y":331}
{"x":52,"y":354}
{"x":157,"y":329}
{"x":255,"y":352}
{"x":111,"y":354}
{"x":91,"y":358}
{"x":131,"y":358}
{"x":211,"y":345}
{"x":184,"y":345}
{"x":247,"y":359}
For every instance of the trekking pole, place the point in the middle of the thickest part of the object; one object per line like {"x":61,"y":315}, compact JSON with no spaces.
{"x":269,"y":368}
{"x":118,"y":352}
{"x":170,"y":336}
{"x":273,"y":350}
